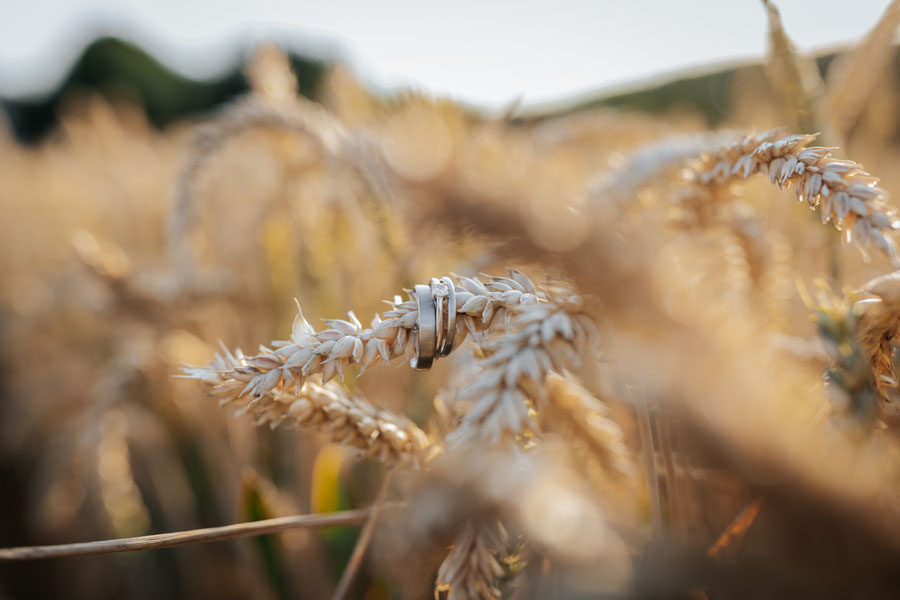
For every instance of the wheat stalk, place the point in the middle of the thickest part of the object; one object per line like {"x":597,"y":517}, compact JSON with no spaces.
{"x":853,"y":356}
{"x":180,"y":538}
{"x":849,"y":196}
{"x":294,"y":114}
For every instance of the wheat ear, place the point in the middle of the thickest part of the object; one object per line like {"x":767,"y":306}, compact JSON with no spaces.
{"x":480,"y":306}
{"x":853,"y":76}
{"x":470,"y":570}
{"x":848,"y":195}
{"x":293,"y":115}
{"x":572,"y":411}
{"x":853,"y":348}
{"x":327,"y":408}
{"x":541,"y":338}
{"x":795,"y":77}
{"x":879,"y":320}
{"x":653,"y":161}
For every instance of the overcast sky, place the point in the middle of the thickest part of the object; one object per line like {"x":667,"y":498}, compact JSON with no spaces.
{"x":487,"y":52}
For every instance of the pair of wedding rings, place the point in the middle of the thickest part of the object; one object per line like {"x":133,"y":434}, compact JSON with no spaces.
{"x":434,"y":339}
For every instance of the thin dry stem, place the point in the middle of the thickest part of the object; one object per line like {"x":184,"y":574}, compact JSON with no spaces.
{"x":180,"y":538}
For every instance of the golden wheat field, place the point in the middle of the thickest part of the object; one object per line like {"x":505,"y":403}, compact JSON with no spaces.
{"x":426,"y":351}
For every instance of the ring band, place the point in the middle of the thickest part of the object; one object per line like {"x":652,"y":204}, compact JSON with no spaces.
{"x":425,"y":346}
{"x":438,"y":296}
{"x":451,"y":318}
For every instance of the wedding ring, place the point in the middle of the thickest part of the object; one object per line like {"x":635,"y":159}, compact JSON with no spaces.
{"x":451,"y":318}
{"x":425,"y":343}
{"x":439,"y":293}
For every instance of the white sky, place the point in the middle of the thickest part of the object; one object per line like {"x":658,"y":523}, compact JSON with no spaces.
{"x":487,"y":52}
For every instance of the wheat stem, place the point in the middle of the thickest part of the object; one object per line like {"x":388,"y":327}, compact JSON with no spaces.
{"x":180,"y":538}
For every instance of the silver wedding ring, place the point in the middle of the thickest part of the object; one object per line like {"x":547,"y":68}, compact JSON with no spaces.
{"x":438,"y":292}
{"x":448,"y":339}
{"x":433,"y":339}
{"x":425,"y":343}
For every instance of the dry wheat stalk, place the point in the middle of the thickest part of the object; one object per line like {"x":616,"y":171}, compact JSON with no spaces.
{"x":180,"y":538}
{"x":327,"y":408}
{"x":470,"y":570}
{"x":849,"y":196}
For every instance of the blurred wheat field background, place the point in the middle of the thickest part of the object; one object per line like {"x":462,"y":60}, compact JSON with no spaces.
{"x":669,"y":378}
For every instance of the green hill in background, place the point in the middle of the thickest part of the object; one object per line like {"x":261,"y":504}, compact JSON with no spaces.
{"x":116,"y":68}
